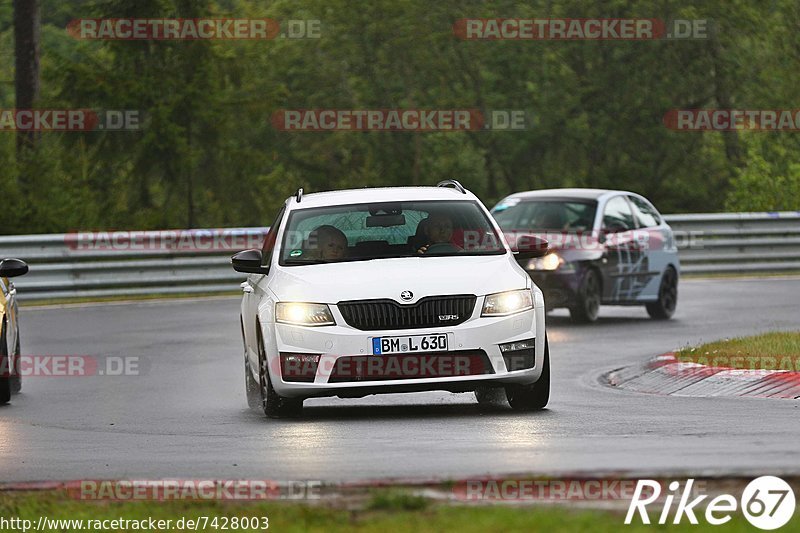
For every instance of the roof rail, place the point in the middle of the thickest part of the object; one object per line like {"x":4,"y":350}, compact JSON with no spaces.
{"x":299,"y":194}
{"x":454,"y":184}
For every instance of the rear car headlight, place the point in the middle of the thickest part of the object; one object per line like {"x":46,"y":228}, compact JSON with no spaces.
{"x":507,"y":303}
{"x":551,"y":261}
{"x":303,"y":314}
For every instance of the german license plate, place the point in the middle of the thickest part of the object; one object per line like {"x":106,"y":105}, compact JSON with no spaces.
{"x":409,"y":344}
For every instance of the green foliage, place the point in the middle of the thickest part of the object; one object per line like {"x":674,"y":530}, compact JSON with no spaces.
{"x":770,"y":181}
{"x":397,"y":500}
{"x":207,"y":154}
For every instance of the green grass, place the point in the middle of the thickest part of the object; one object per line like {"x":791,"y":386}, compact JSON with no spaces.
{"x":387,"y":513}
{"x":393,"y":500}
{"x":768,"y":351}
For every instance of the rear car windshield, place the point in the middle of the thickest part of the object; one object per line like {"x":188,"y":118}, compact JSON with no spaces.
{"x":387,"y":230}
{"x":546,"y":214}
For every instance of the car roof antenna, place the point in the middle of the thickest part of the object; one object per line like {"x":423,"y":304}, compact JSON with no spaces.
{"x":299,"y":194}
{"x":452,"y":183}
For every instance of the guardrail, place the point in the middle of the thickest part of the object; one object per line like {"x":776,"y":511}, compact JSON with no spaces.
{"x":737,"y":242}
{"x":198,"y":261}
{"x":122,"y":263}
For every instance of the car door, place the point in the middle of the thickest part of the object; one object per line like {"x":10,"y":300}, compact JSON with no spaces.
{"x":654,"y":238}
{"x":623,"y":259}
{"x":253,"y":289}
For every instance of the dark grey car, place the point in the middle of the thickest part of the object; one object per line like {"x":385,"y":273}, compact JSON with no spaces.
{"x":607,"y":247}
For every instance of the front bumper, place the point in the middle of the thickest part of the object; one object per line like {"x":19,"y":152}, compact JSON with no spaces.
{"x":341,"y":346}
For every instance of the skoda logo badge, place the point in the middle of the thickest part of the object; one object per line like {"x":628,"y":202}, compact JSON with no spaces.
{"x":406,"y":295}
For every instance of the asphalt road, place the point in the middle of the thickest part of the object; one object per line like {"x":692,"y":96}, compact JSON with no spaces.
{"x":186,"y":416}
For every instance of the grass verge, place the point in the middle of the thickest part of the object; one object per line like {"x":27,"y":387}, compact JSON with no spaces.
{"x":778,"y":350}
{"x":405,"y":513}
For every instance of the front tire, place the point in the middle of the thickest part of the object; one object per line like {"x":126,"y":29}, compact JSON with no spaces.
{"x":535,"y":396}
{"x":251,"y":387}
{"x":16,"y":377}
{"x":5,"y":378}
{"x":664,"y":307}
{"x":587,"y":305}
{"x":274,"y":405}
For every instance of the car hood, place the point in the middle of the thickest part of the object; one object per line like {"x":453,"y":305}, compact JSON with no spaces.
{"x":387,"y":278}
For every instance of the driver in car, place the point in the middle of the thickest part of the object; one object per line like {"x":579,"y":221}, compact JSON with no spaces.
{"x":438,"y":231}
{"x":327,"y":243}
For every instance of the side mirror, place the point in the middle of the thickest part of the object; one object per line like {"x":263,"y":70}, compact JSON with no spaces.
{"x":249,"y":262}
{"x":11,"y":268}
{"x":530,"y":246}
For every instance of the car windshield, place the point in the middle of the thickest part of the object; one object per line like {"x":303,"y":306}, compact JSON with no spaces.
{"x":545,"y":214}
{"x":387,"y":230}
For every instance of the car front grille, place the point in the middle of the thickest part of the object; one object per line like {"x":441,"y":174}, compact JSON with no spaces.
{"x":431,"y":311}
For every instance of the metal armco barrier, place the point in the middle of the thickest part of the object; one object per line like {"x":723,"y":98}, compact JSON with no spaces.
{"x":129,"y":263}
{"x":737,"y":242}
{"x":198,"y":261}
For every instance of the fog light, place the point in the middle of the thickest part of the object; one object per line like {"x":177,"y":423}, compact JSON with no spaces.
{"x":299,"y":367}
{"x":519,"y":355}
{"x":518,"y":345}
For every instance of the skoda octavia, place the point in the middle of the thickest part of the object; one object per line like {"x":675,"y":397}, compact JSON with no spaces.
{"x":402,"y":289}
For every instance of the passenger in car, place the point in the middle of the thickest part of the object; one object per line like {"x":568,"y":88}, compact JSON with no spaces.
{"x":326,"y":242}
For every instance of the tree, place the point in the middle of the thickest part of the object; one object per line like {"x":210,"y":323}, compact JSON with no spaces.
{"x":26,"y":52}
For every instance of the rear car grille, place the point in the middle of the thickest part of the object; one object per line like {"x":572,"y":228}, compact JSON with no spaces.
{"x":431,"y":311}
{"x":410,"y":366}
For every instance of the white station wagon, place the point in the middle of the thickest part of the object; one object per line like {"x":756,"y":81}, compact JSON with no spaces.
{"x":401,"y":289}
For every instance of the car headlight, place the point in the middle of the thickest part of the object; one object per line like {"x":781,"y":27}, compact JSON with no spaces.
{"x":551,"y":261}
{"x":303,"y":314}
{"x":507,"y":303}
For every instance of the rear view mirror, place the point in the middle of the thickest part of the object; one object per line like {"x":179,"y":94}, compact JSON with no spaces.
{"x":530,"y":246}
{"x":11,"y":268}
{"x":249,"y":262}
{"x":386,"y":221}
